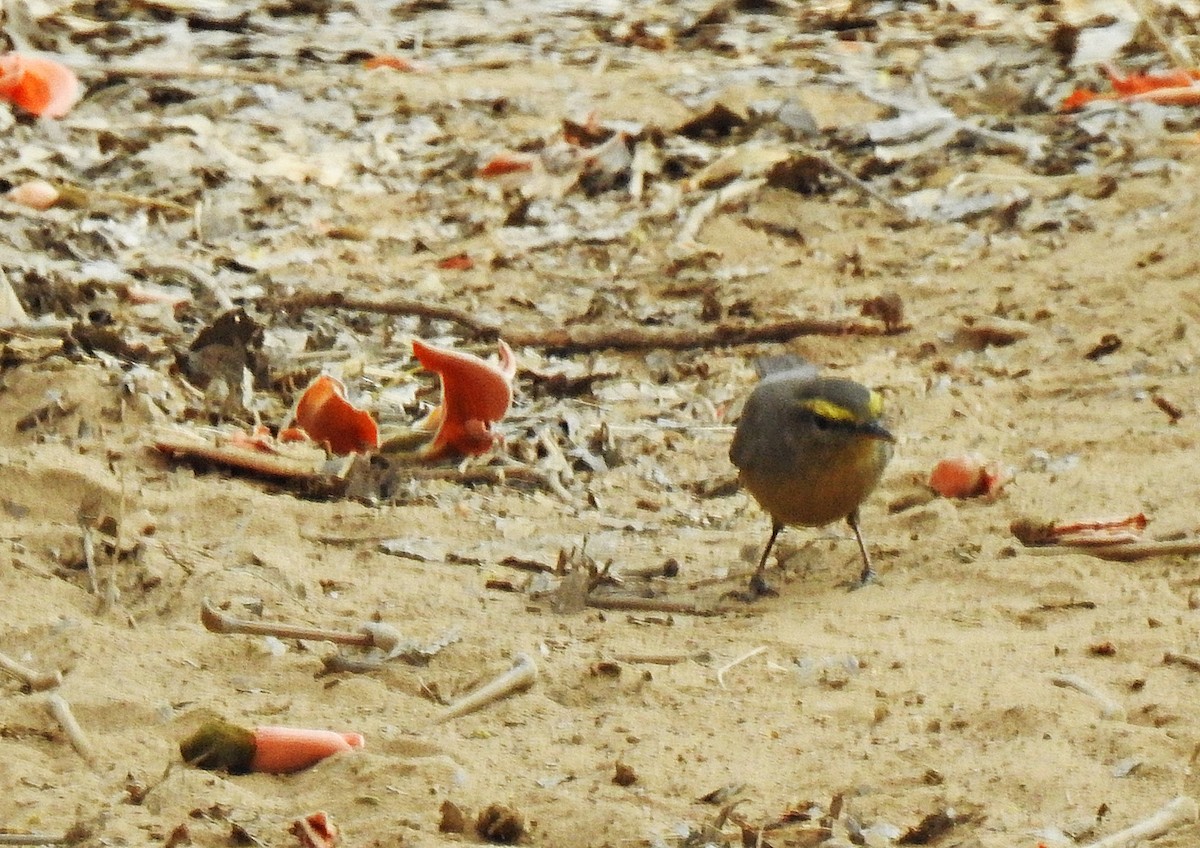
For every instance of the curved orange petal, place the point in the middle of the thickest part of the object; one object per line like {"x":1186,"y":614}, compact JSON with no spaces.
{"x":328,"y":418}
{"x":475,"y":395}
{"x":39,"y":85}
{"x":279,"y":750}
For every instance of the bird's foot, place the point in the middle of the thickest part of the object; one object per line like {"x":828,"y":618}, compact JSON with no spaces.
{"x":758,"y":588}
{"x":867,"y":578}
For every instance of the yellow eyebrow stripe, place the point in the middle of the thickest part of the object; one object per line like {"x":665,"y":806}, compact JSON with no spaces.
{"x":828,"y":410}
{"x":875,"y":404}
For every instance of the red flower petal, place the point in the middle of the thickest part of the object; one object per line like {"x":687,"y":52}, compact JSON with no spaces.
{"x":504,"y":163}
{"x":316,"y":830}
{"x":457,"y":262}
{"x":475,"y":395}
{"x":328,"y":418}
{"x":968,"y":476}
{"x":38,"y":85}
{"x":396,"y":63}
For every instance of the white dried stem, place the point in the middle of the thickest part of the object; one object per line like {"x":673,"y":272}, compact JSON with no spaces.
{"x":1110,"y":707}
{"x":61,"y":710}
{"x":1178,"y":811}
{"x":521,"y":676}
{"x":703,"y":210}
{"x":37,"y":681}
{"x":737,"y":661}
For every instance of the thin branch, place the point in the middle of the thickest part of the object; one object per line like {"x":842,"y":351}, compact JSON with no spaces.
{"x":1185,"y":660}
{"x":583,"y":338}
{"x":1109,"y":706}
{"x":195,"y":72}
{"x":861,"y":185}
{"x":737,"y":661}
{"x":37,"y":681}
{"x":521,"y":676}
{"x":61,"y":710}
{"x":633,"y":603}
{"x":1125,"y":551}
{"x":1178,"y":811}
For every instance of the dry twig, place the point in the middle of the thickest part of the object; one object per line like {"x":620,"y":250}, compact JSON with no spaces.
{"x":661,"y":659}
{"x":302,"y":473}
{"x":737,"y":661}
{"x":37,"y":681}
{"x":580,"y":338}
{"x":68,"y":838}
{"x":635,"y":603}
{"x":1178,"y":811}
{"x":848,"y":176}
{"x":1125,"y":551}
{"x":111,"y":71}
{"x":521,"y":676}
{"x":1186,"y":660}
{"x":61,"y":710}
{"x":1110,"y":707}
{"x":372,"y":635}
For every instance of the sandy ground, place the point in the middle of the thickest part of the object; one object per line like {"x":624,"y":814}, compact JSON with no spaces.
{"x":930,"y":691}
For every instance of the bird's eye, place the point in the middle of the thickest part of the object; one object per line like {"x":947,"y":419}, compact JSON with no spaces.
{"x":822,"y":423}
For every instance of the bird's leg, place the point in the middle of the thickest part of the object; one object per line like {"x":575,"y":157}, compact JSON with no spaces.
{"x":759,"y":586}
{"x":868,"y":571}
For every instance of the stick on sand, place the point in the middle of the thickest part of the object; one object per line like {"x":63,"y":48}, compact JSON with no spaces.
{"x":37,"y":681}
{"x":1178,"y":811}
{"x":1110,"y":707}
{"x":61,"y":710}
{"x":521,"y":676}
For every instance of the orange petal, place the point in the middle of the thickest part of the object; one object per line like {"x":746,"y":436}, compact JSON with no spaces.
{"x":396,"y":63}
{"x":504,"y":163}
{"x":1130,"y":84}
{"x":1079,"y":98}
{"x":475,"y":395}
{"x":36,"y":194}
{"x":968,"y":476}
{"x":38,"y":85}
{"x":316,"y":830}
{"x":328,"y":418}
{"x":258,"y":439}
{"x":457,"y":262}
{"x":279,"y":750}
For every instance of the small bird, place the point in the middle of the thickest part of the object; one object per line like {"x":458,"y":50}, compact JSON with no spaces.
{"x":810,"y":449}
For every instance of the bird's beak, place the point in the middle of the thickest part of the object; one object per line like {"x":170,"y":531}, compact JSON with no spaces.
{"x":876,"y":431}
